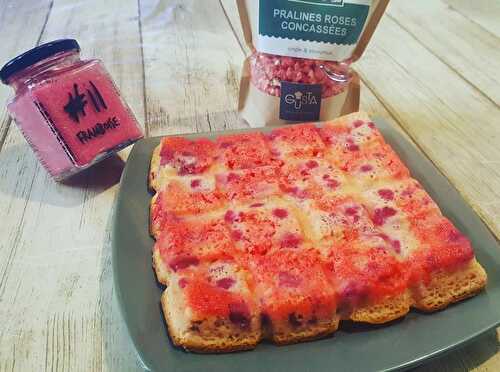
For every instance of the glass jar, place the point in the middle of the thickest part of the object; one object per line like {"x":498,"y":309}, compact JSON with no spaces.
{"x":68,"y":109}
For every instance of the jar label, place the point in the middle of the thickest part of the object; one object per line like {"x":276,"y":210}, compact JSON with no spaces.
{"x":300,"y":102}
{"x":315,"y":29}
{"x":86,"y":113}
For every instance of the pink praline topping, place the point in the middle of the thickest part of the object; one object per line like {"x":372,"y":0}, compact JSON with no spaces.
{"x":288,"y":280}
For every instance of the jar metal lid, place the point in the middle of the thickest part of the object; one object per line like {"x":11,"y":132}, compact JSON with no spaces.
{"x":35,"y":55}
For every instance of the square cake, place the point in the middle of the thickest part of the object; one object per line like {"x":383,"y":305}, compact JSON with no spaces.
{"x":284,"y":235}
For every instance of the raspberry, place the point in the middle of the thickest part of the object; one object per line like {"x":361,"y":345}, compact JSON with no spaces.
{"x":396,"y":244}
{"x":333,"y":184}
{"x":291,"y":241}
{"x":353,"y":147}
{"x":236,"y":235}
{"x":280,"y":213}
{"x":351,"y":211}
{"x":386,"y":194}
{"x":182,"y":282}
{"x":311,"y":164}
{"x":382,"y":214}
{"x":256,"y":205}
{"x":239,"y":314}
{"x":183,"y":262}
{"x":230,"y":216}
{"x":225,"y":283}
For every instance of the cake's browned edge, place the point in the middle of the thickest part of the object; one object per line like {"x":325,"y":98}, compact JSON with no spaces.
{"x":315,"y":332}
{"x":445,"y":288}
{"x":154,"y":168}
{"x":200,"y":346}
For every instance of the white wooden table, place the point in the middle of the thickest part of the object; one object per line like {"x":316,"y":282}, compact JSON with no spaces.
{"x":432,"y":70}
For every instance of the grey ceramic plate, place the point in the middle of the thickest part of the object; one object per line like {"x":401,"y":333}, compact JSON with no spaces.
{"x":402,"y":344}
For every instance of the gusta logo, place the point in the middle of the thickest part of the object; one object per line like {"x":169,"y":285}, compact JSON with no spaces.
{"x":298,"y":99}
{"x":300,"y":102}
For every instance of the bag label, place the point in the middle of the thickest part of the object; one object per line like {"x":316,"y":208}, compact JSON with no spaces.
{"x":300,"y":102}
{"x":317,"y":29}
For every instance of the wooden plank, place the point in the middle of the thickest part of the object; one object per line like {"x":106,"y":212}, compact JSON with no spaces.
{"x":231,"y":12}
{"x":485,"y":13}
{"x":463,"y":45}
{"x":370,"y":104}
{"x":19,"y":36}
{"x":192,"y":65}
{"x":56,"y":295}
{"x":455,"y":125}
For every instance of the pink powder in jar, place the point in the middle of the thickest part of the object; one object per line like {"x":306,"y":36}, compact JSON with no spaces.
{"x":69,"y":110}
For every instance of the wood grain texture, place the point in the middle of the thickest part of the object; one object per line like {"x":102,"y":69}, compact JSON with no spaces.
{"x":484,"y":12}
{"x":192,"y":65}
{"x":230,"y":9}
{"x":460,"y":43}
{"x":56,"y":296}
{"x":450,"y":120}
{"x":19,"y":36}
{"x":57,"y":305}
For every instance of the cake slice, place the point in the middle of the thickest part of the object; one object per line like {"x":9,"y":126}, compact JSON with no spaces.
{"x":296,"y":296}
{"x":296,"y":141}
{"x":185,"y":242}
{"x":349,"y":134}
{"x":440,"y":258}
{"x":370,"y":280}
{"x":211,"y":308}
{"x":181,"y":196}
{"x":444,"y":269}
{"x":263,"y":226}
{"x":311,"y":178}
{"x":248,"y":185}
{"x":178,"y":156}
{"x":244,"y":151}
